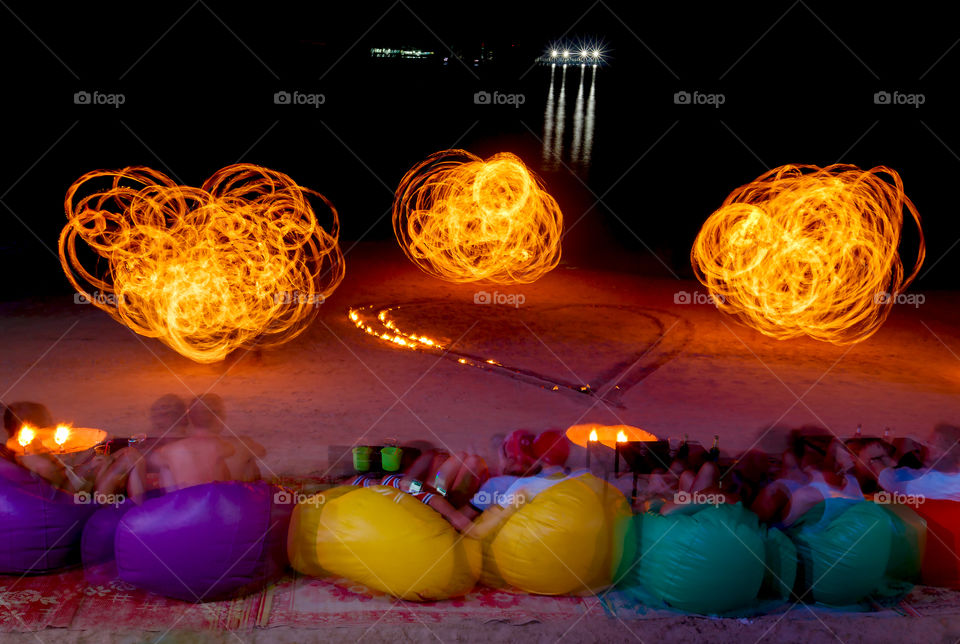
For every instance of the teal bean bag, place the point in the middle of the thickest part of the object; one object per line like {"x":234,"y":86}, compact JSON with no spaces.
{"x":843,"y":547}
{"x":780,"y":572}
{"x":708,"y":561}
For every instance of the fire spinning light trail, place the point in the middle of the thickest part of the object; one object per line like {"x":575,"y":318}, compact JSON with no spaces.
{"x":804,"y":250}
{"x":239,"y":262}
{"x":464,"y":219}
{"x":384,"y":327}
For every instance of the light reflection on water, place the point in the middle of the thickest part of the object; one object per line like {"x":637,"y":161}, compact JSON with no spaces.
{"x":578,"y":151}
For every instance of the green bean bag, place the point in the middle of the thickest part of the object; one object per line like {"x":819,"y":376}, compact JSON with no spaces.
{"x":707,"y":561}
{"x":908,"y":543}
{"x":780,"y":572}
{"x":843,"y":547}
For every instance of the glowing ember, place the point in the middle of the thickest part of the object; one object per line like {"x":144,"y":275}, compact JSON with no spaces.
{"x":804,"y":250}
{"x":26,"y":435}
{"x":464,"y":219}
{"x":61,"y":435}
{"x":239,"y":262}
{"x":608,"y":435}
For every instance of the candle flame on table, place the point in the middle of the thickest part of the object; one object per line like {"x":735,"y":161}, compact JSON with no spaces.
{"x":239,"y":262}
{"x":26,"y":435}
{"x":804,"y":250}
{"x":463,"y":219}
{"x":608,"y":435}
{"x":61,"y":435}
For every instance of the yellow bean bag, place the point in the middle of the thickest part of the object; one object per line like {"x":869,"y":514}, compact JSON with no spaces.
{"x":384,"y":539}
{"x":573,"y":538}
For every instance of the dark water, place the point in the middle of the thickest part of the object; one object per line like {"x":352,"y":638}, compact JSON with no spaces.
{"x":578,"y":150}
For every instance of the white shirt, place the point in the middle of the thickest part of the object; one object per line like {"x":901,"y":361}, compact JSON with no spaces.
{"x":927,"y":483}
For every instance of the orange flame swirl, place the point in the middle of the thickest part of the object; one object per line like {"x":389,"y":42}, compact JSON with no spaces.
{"x":463,"y":219}
{"x":239,"y":262}
{"x":804,"y":250}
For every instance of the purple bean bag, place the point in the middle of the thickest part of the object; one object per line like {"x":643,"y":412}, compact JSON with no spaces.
{"x":97,"y":544}
{"x":207,"y":542}
{"x":40,"y":526}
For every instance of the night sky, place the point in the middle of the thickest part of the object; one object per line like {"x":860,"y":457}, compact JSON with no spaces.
{"x":198,"y":81}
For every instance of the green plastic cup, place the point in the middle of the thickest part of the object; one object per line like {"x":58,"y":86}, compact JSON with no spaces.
{"x":361,"y":458}
{"x":390,"y":458}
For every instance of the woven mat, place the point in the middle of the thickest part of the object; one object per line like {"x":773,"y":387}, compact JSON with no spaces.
{"x":305,"y":601}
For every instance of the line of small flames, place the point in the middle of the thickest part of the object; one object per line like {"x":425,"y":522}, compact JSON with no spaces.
{"x":408,"y":340}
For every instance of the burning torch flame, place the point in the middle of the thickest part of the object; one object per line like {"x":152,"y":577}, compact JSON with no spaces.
{"x":26,"y":435}
{"x":61,"y":435}
{"x":593,"y":438}
{"x":463,"y":219}
{"x":240,"y":261}
{"x":804,"y":250}
{"x":621,"y":437}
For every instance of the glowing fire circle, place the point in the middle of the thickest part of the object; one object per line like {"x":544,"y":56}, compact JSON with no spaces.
{"x":464,"y":219}
{"x":241,"y":261}
{"x":804,"y":250}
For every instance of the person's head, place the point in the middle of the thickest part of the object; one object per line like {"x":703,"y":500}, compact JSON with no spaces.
{"x":945,"y":448}
{"x":207,"y":412}
{"x":17,"y":414}
{"x":839,"y":458}
{"x":551,"y":447}
{"x":810,"y":444}
{"x":168,"y":413}
{"x":871,"y":456}
{"x":516,"y":454}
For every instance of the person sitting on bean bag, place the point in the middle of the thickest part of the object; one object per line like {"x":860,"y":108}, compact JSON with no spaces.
{"x":534,"y":463}
{"x":206,"y":414}
{"x":693,"y":478}
{"x":457,"y":478}
{"x":204,"y":456}
{"x":938,"y":476}
{"x":798,"y":489}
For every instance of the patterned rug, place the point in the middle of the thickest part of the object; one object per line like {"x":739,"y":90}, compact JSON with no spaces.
{"x":68,"y":600}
